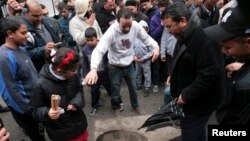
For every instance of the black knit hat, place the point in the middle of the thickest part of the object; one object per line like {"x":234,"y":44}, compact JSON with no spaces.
{"x":130,"y":3}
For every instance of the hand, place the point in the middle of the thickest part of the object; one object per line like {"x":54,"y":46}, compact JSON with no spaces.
{"x":4,"y":135}
{"x":155,"y":54}
{"x":135,"y":58}
{"x":168,"y":81}
{"x":91,"y":20}
{"x":163,"y":59}
{"x":13,"y":6}
{"x":49,"y":46}
{"x":180,"y":101}
{"x":54,"y":114}
{"x":91,"y":77}
{"x":71,"y":108}
{"x":234,"y":66}
{"x":141,"y":60}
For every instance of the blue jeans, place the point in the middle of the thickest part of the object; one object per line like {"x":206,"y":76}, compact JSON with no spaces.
{"x":116,"y":74}
{"x":167,"y":96}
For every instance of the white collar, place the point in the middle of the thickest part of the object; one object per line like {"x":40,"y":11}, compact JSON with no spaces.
{"x":57,"y":76}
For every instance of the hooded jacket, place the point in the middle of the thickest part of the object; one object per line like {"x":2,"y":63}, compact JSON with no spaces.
{"x":120,"y":46}
{"x":70,"y":124}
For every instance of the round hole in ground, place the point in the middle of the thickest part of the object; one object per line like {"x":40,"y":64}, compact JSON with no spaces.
{"x":121,"y":135}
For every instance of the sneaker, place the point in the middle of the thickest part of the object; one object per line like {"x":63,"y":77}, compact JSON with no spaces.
{"x":4,"y":109}
{"x":155,"y":89}
{"x":93,"y":111}
{"x":146,"y":92}
{"x":100,"y":104}
{"x":121,"y":107}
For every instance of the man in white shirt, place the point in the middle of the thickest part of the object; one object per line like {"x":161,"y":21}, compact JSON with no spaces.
{"x":119,"y":42}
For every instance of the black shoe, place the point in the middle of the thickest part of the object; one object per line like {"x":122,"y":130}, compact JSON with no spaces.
{"x":146,"y":92}
{"x":4,"y":109}
{"x":100,"y":104}
{"x":120,"y":107}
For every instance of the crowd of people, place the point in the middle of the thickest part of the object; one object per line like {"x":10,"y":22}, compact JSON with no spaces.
{"x":198,"y":48}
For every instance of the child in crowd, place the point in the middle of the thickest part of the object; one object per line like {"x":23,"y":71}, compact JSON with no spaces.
{"x":102,"y":71}
{"x":142,"y":62}
{"x":68,"y":121}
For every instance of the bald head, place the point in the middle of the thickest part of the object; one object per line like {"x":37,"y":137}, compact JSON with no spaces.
{"x":34,"y":13}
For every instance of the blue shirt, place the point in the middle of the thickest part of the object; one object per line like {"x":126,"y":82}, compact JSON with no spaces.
{"x":17,"y":76}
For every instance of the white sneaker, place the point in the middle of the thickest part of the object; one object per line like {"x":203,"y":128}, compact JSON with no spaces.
{"x":93,"y":111}
{"x":121,"y":107}
{"x":155,"y":89}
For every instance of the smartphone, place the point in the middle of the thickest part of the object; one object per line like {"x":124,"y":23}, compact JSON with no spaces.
{"x":88,"y":14}
{"x":58,"y":44}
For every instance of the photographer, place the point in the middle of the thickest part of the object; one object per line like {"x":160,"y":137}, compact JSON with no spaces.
{"x":81,"y":21}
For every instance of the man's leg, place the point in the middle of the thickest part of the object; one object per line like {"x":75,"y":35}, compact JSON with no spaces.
{"x":147,"y":76}
{"x":106,"y":82}
{"x":95,"y":95}
{"x":138,"y":70}
{"x":193,"y":128}
{"x":131,"y":82}
{"x":147,"y":73}
{"x":155,"y":74}
{"x":30,"y":126}
{"x":115,"y":75}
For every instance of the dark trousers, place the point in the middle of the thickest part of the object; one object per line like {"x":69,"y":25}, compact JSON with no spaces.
{"x":103,"y":79}
{"x":155,"y":71}
{"x":29,"y":125}
{"x":116,"y":74}
{"x":193,"y":128}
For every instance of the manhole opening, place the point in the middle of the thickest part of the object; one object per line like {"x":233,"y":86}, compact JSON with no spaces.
{"x":121,"y":135}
